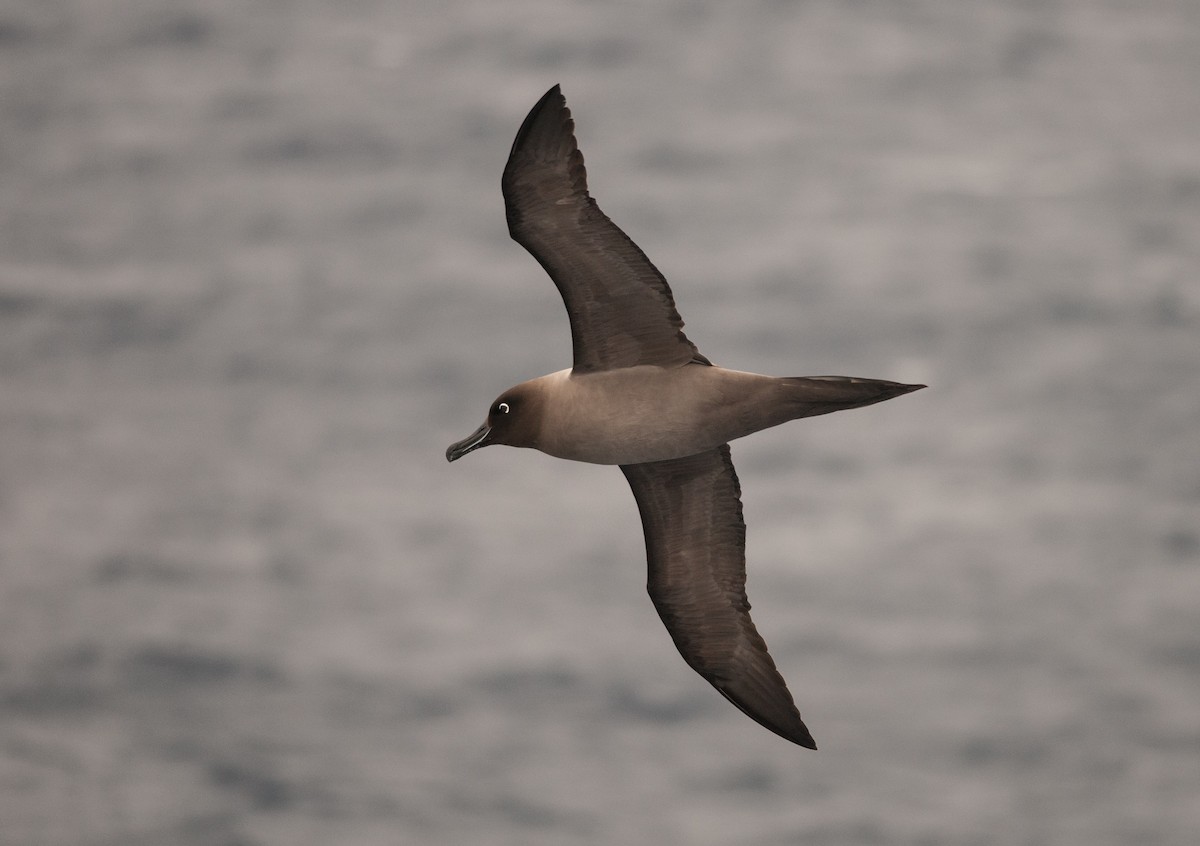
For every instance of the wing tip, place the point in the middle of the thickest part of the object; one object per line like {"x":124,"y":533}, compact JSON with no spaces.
{"x":788,"y":725}
{"x":797,"y":732}
{"x":551,"y":99}
{"x":806,"y":741}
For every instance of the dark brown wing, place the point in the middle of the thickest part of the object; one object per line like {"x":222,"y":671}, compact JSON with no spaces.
{"x":696,"y":548}
{"x":620,"y":306}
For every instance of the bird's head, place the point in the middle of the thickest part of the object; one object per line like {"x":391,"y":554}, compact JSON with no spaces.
{"x":514,"y":419}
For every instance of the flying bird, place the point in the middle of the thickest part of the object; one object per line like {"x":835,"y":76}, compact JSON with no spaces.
{"x":640,"y":395}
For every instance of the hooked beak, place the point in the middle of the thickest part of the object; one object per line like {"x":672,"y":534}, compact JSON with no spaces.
{"x":472,"y":441}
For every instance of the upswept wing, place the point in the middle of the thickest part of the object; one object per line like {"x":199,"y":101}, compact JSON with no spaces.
{"x":620,"y":307}
{"x":696,"y":550}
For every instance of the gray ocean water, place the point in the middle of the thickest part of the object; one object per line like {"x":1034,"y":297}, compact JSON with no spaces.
{"x":255,"y":276}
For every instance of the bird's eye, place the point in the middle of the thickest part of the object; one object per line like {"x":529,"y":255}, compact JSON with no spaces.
{"x":502,"y":408}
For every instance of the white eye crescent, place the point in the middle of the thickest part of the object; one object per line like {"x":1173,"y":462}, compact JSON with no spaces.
{"x":502,"y":408}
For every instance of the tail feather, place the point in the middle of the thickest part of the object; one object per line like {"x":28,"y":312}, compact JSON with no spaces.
{"x":809,"y":396}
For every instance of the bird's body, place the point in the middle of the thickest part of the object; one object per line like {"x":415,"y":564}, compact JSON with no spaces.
{"x":601,"y":417}
{"x":640,"y":395}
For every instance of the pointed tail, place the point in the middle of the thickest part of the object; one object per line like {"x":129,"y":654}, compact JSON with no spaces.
{"x":809,"y":396}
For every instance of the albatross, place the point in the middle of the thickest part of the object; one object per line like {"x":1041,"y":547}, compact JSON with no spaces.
{"x":640,"y":395}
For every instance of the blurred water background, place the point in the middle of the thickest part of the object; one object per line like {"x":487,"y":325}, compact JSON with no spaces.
{"x":254,"y":277}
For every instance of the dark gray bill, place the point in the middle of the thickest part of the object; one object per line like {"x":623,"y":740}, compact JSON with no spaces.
{"x":474,"y":440}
